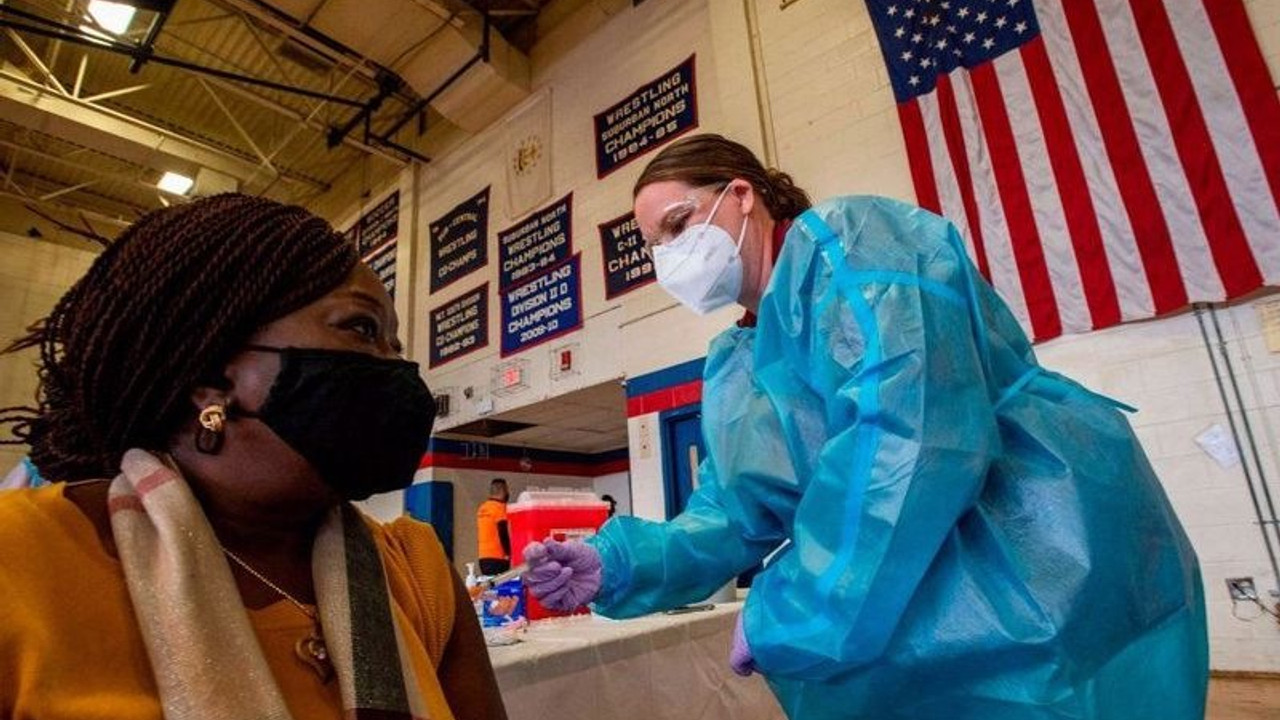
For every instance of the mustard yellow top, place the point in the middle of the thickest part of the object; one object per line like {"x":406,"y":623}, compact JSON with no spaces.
{"x":70,"y":645}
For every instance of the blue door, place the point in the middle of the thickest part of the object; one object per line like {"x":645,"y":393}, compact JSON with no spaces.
{"x":432,"y":502}
{"x":682,"y":451}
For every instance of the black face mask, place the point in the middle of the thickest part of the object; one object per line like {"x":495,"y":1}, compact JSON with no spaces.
{"x":361,"y":421}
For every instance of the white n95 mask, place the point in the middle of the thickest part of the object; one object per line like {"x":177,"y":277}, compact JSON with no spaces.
{"x":702,"y":266}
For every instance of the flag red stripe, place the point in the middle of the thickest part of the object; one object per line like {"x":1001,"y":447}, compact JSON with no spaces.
{"x":1227,"y":242}
{"x":918,"y":156}
{"x":1252,"y":82}
{"x":954,"y":135}
{"x":1073,"y":188}
{"x":1133,"y":177}
{"x":1014,"y":198}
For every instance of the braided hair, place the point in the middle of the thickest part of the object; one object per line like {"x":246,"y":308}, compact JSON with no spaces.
{"x":711,"y":159}
{"x":160,"y":312}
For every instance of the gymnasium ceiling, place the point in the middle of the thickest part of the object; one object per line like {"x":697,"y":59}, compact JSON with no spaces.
{"x":308,"y":101}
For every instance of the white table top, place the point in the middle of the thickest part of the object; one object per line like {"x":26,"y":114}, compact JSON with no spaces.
{"x":653,"y":667}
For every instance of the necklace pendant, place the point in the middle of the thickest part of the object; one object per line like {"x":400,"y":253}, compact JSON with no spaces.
{"x":312,"y":652}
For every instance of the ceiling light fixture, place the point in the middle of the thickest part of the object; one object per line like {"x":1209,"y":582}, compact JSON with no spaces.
{"x":114,"y":17}
{"x":175,"y":183}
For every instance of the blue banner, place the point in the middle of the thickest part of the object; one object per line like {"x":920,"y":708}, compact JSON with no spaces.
{"x":542,"y":308}
{"x":380,"y":226}
{"x":384,"y":265}
{"x":460,"y":240}
{"x":541,"y":240}
{"x":460,"y":326}
{"x":648,"y":117}
{"x":626,"y":265}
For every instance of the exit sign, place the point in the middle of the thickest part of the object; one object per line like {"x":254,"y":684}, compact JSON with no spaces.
{"x":512,"y":376}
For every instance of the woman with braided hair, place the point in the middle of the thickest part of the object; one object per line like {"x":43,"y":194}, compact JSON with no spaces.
{"x":214,"y":393}
{"x":964,"y":534}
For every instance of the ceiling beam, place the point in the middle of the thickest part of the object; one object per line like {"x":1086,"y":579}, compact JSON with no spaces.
{"x":51,"y":29}
{"x":315,"y":41}
{"x":308,"y":120}
{"x":76,"y":208}
{"x":45,"y":72}
{"x":18,"y":151}
{"x":29,"y":104}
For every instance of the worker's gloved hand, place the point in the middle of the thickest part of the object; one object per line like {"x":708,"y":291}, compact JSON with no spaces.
{"x":562,"y":576}
{"x":740,"y":658}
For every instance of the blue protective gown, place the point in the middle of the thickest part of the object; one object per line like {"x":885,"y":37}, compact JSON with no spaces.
{"x":971,"y":536}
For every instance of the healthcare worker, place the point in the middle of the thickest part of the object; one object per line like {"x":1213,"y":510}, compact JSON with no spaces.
{"x":971,"y":536}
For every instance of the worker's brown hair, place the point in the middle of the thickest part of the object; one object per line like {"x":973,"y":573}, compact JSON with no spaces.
{"x":709,"y":159}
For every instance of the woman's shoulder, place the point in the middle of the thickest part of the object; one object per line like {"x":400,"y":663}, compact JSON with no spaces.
{"x":420,"y":577}
{"x":46,"y":540}
{"x":880,"y":234}
{"x":872,"y":217}
{"x":29,"y":512}
{"x":407,"y":535}
{"x":873,"y":204}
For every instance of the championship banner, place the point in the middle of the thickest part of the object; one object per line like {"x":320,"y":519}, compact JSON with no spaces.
{"x":542,"y":307}
{"x":459,"y":327}
{"x":380,"y":226}
{"x":460,"y":241}
{"x":541,"y":240}
{"x":626,"y":265}
{"x":655,"y":113}
{"x":374,"y":236}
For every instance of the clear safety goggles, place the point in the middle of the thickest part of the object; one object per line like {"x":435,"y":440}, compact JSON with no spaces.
{"x":680,"y":214}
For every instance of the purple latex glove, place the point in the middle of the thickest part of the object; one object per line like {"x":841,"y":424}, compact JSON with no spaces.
{"x":562,"y":576}
{"x":740,"y":658}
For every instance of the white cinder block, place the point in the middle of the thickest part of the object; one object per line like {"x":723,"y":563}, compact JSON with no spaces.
{"x":1192,"y":400}
{"x":1174,"y":369}
{"x":1178,"y":438}
{"x":1213,"y":507}
{"x":1244,"y":623}
{"x":648,"y":495}
{"x":1229,"y":544}
{"x":1149,"y":438}
{"x":385,"y":507}
{"x":33,"y":276}
{"x":1243,"y":655}
{"x":1188,"y":474}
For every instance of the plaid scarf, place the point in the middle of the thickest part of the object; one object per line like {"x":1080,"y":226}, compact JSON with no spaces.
{"x":206,"y":659}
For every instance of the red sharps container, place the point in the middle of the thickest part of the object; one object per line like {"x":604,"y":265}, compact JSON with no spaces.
{"x":556,"y":514}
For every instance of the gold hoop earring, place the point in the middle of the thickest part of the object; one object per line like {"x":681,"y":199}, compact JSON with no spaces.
{"x":209,"y":437}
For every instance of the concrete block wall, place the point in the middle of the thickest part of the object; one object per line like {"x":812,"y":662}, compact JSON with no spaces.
{"x":586,"y":63}
{"x":617,"y":485}
{"x":648,"y":494}
{"x":833,"y":112}
{"x":1265,"y":17}
{"x":1163,"y":368}
{"x":34,"y":274}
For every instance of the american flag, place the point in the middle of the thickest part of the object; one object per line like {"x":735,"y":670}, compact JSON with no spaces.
{"x":1106,"y":160}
